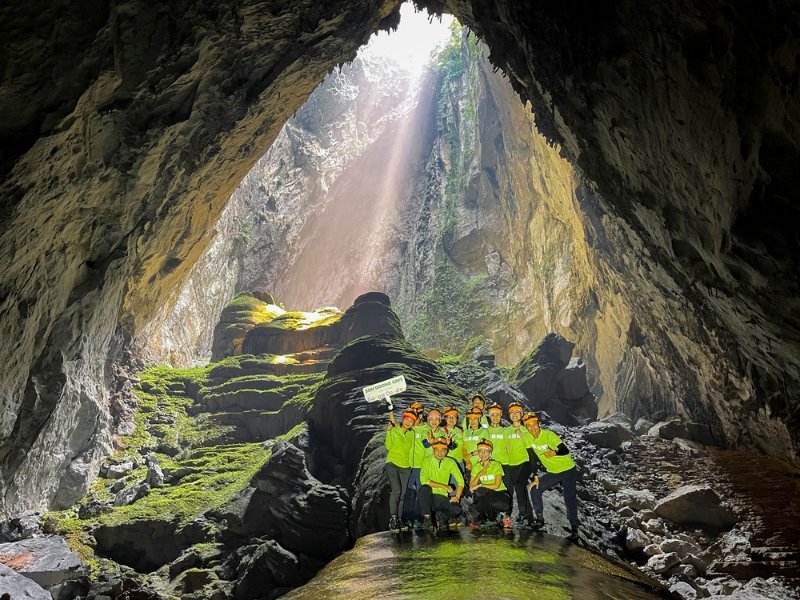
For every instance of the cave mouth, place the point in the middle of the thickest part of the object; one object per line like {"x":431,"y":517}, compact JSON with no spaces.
{"x":399,"y":173}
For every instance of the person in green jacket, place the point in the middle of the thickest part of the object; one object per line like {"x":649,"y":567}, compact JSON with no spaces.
{"x":411,"y":508}
{"x":456,"y":434}
{"x":559,"y":468}
{"x":424,"y":435}
{"x":518,"y":470}
{"x":399,"y":439}
{"x":473,"y":433}
{"x":479,"y":403}
{"x":496,"y":433}
{"x":438,"y":497}
{"x":488,"y":487}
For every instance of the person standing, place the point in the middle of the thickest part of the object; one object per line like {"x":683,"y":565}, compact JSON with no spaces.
{"x":399,"y":439}
{"x":479,"y":403}
{"x":488,"y":488}
{"x":559,"y":468}
{"x":435,"y":499}
{"x":456,"y":435}
{"x":518,"y":470}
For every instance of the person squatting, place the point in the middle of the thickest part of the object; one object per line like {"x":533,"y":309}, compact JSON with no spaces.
{"x":432,"y":463}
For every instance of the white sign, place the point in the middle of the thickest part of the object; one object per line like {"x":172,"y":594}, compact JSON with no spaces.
{"x":384,"y":389}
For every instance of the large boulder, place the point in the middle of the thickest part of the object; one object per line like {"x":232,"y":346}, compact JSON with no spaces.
{"x":555,"y":383}
{"x":48,"y":561}
{"x":18,"y":586}
{"x":304,"y":515}
{"x":687,"y":430}
{"x":606,"y":435}
{"x":696,"y":505}
{"x":293,"y":332}
{"x":240,"y":315}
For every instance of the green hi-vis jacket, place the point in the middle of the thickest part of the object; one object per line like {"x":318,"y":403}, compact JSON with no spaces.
{"x":471,"y":439}
{"x":457,"y":439}
{"x":484,"y":422}
{"x":440,"y":471}
{"x":548,"y":440}
{"x":398,"y":443}
{"x":418,"y":450}
{"x":497,"y":435}
{"x":518,"y":440}
{"x":494,"y":472}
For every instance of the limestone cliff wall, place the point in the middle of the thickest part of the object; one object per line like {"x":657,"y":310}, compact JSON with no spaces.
{"x":682,"y":120}
{"x":125,"y":128}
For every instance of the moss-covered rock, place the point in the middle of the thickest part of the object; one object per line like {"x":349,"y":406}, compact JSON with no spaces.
{"x":239,"y":316}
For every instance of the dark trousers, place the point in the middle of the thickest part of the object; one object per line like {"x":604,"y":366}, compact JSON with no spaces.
{"x":490,"y":502}
{"x":567,"y":479}
{"x":516,"y":480}
{"x":410,"y":504}
{"x":398,"y":481}
{"x":437,"y":504}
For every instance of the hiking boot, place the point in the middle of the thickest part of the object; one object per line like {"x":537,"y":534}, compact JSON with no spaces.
{"x":506,"y":522}
{"x":537,"y":524}
{"x":427,"y":522}
{"x":523,"y":523}
{"x":405,"y":526}
{"x":573,"y":533}
{"x":394,"y":524}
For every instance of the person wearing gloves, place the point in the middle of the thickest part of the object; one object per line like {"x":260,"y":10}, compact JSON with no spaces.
{"x":558,"y":468}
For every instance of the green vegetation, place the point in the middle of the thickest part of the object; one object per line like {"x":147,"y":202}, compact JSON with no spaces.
{"x":453,"y":306}
{"x":455,"y":303}
{"x":206,"y":474}
{"x":297,"y":320}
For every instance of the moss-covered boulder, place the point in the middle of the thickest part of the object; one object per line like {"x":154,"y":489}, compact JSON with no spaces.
{"x":326,"y":328}
{"x":239,"y":316}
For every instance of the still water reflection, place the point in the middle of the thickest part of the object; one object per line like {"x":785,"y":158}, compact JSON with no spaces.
{"x":465,"y":564}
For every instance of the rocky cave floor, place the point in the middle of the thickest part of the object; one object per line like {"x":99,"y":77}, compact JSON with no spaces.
{"x":171,"y":513}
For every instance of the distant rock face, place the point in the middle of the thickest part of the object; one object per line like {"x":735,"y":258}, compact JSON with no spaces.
{"x":129,"y":128}
{"x":554,"y":383}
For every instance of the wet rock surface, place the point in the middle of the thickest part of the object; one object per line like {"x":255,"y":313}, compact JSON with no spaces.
{"x":45,"y":561}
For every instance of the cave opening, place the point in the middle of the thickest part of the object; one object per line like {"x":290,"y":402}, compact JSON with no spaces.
{"x":662,"y":242}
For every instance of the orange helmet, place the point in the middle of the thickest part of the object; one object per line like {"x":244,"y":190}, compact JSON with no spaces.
{"x":531,"y":416}
{"x":515,"y":406}
{"x":439,"y":443}
{"x":484,"y":443}
{"x":496,"y":407}
{"x":450,"y":411}
{"x":435,"y":411}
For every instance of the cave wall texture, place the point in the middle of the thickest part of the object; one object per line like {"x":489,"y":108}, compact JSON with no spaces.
{"x":125,"y":126}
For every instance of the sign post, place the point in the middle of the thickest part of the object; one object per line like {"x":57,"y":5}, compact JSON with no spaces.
{"x":385,"y":390}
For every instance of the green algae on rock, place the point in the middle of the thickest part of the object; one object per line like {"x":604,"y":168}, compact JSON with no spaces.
{"x":464,"y":564}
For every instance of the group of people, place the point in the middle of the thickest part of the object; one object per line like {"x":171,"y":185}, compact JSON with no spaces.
{"x":433,"y":463}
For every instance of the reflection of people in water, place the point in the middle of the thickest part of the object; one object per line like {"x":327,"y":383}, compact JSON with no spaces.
{"x":559,"y":468}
